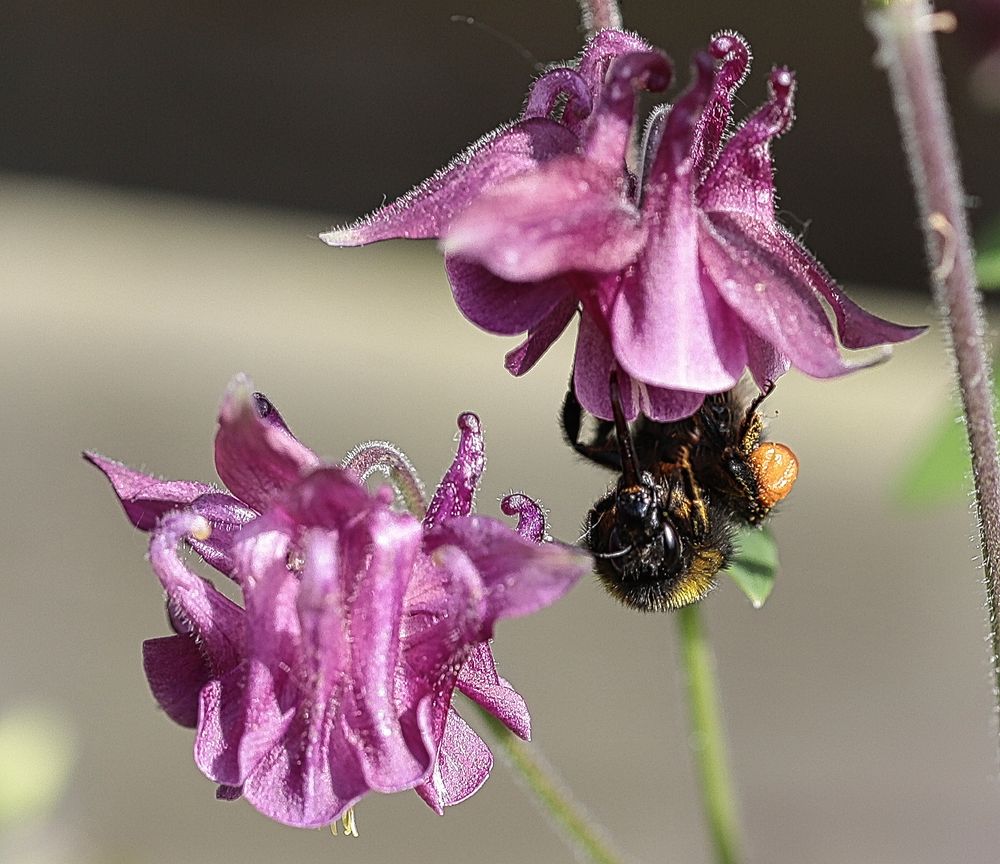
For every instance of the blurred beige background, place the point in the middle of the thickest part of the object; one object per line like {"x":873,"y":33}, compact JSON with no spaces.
{"x":857,"y":700}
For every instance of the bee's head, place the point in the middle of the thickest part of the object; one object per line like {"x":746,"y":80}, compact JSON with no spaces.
{"x":646,"y":558}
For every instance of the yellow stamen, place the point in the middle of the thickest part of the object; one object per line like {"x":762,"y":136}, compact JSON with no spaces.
{"x":201,"y":529}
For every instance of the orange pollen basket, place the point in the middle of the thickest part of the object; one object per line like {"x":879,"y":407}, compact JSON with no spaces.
{"x":776,"y":468}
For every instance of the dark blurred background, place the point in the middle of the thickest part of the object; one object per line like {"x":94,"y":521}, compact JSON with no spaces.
{"x":334,"y":105}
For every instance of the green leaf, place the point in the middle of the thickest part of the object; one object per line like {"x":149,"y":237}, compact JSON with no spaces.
{"x":939,"y":469}
{"x":755,"y":565}
{"x":988,"y":256}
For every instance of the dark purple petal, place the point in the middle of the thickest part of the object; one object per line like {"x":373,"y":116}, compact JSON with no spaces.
{"x":520,"y":359}
{"x":143,"y":497}
{"x":498,"y":305}
{"x":609,"y":128}
{"x":228,"y":793}
{"x":560,"y":86}
{"x":592,"y":369}
{"x":531,"y":523}
{"x":742,"y":179}
{"x":212,"y":618}
{"x":601,"y":49}
{"x":734,"y":53}
{"x":518,"y":577}
{"x":674,"y":143}
{"x":570,"y":214}
{"x":176,"y":670}
{"x":456,"y":493}
{"x":226,"y":515}
{"x":427,"y":210}
{"x":255,"y":454}
{"x":480,"y":681}
{"x":770,"y":294}
{"x":856,"y":327}
{"x":463,"y":764}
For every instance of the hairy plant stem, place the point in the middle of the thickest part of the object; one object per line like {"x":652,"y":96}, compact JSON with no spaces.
{"x":709,"y":736}
{"x":905,"y":33}
{"x":567,"y":816}
{"x":600,"y":14}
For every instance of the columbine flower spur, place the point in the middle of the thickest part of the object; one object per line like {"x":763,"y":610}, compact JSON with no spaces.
{"x":335,"y":677}
{"x":672,"y":256}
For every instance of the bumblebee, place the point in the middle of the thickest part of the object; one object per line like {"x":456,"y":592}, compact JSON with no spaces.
{"x":666,"y":529}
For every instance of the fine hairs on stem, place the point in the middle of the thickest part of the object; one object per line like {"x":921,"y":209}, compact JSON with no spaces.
{"x":600,"y":14}
{"x":905,"y":32}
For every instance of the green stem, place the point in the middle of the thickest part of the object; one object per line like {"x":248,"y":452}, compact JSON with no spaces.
{"x":567,"y":815}
{"x":709,"y":737}
{"x":905,"y":32}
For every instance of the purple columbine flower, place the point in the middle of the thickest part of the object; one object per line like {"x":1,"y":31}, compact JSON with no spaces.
{"x":335,"y":677}
{"x":673,"y":256}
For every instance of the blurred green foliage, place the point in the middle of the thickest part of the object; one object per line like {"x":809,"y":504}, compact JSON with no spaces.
{"x":36,"y":755}
{"x":988,"y":256}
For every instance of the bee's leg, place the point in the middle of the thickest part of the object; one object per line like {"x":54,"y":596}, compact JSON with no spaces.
{"x":753,"y":423}
{"x":603,"y":449}
{"x":696,"y":506}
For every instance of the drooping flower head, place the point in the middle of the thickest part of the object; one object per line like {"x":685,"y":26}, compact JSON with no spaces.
{"x":673,"y":257}
{"x":335,"y":677}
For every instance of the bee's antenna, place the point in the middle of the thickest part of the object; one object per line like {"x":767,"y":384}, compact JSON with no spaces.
{"x":617,"y":554}
{"x":630,"y":464}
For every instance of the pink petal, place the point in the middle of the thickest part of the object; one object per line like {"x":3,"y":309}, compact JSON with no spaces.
{"x":518,"y":577}
{"x":769,"y":294}
{"x":857,"y":328}
{"x":669,"y":326}
{"x":765,"y":362}
{"x":601,"y":49}
{"x":212,"y":618}
{"x":662,"y":404}
{"x":480,"y":681}
{"x":569,"y":214}
{"x":559,"y":87}
{"x":255,"y":454}
{"x":463,"y":764}
{"x":734,"y":53}
{"x":592,"y":369}
{"x":311,"y":777}
{"x":499,"y":305}
{"x":531,"y":522}
{"x":609,"y":128}
{"x":520,"y":359}
{"x":390,"y":759}
{"x":226,"y":515}
{"x":456,"y":493}
{"x":143,"y":497}
{"x":427,"y":210}
{"x":242,"y":716}
{"x":742,"y":180}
